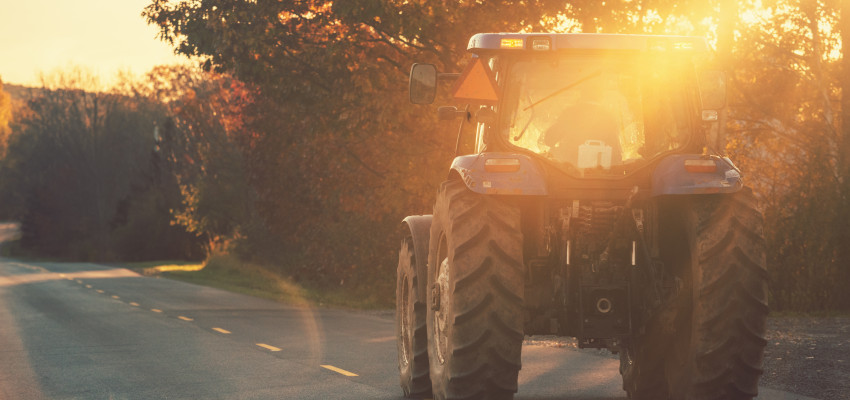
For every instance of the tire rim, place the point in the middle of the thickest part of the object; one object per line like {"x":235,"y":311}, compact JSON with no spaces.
{"x":440,"y":315}
{"x":404,"y":319}
{"x":627,"y":369}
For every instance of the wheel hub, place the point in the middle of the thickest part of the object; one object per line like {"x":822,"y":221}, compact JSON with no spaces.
{"x":440,"y":312}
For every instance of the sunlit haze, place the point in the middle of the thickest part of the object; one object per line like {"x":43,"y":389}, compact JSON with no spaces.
{"x":104,"y":36}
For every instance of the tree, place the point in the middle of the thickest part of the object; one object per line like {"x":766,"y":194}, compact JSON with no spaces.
{"x":784,"y":128}
{"x":199,"y":149}
{"x":79,"y":163}
{"x":5,"y":118}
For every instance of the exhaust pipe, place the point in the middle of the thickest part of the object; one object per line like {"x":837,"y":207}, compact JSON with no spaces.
{"x":603,"y":305}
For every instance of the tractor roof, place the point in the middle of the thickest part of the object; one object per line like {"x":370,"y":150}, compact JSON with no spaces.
{"x":484,"y":42}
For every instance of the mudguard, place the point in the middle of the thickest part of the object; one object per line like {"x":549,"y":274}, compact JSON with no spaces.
{"x":528,"y":179}
{"x":419,"y":227}
{"x":671,"y":177}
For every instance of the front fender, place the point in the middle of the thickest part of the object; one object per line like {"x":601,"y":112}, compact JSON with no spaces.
{"x":671,"y":177}
{"x":528,"y":179}
{"x":419,"y":228}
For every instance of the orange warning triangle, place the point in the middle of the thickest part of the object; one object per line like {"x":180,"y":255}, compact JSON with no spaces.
{"x":476,"y":84}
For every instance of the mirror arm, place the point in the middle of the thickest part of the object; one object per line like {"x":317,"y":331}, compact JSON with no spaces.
{"x":447,"y":113}
{"x":448,"y":76}
{"x":466,"y":118}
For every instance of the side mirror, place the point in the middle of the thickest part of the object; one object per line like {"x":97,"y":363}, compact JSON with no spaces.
{"x":712,"y":89}
{"x":423,"y":83}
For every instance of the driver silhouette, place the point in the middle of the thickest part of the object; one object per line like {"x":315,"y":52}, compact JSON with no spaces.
{"x":586,"y":120}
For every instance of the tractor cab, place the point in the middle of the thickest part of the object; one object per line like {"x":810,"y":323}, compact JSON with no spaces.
{"x":592,"y":105}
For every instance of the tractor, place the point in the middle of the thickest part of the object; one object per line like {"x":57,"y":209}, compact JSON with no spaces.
{"x":593,"y":206}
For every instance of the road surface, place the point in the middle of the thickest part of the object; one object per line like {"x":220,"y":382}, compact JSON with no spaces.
{"x":85,"y":331}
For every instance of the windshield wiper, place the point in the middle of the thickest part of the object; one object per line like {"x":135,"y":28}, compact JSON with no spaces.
{"x":530,"y":118}
{"x":564,"y":89}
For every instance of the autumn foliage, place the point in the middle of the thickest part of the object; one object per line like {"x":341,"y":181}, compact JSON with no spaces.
{"x":296,"y":145}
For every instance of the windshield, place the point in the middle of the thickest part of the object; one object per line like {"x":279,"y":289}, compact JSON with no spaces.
{"x":596,"y":114}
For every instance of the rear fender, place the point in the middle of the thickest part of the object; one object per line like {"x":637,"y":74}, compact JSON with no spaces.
{"x":671,"y":177}
{"x":419,"y":228}
{"x":528,"y":179}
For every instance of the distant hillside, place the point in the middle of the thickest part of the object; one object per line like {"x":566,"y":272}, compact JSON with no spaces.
{"x":20,"y":93}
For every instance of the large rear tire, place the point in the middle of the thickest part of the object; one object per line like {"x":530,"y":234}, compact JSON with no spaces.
{"x":719,"y":339}
{"x":475,"y":297}
{"x":642,"y":366}
{"x":411,"y":334}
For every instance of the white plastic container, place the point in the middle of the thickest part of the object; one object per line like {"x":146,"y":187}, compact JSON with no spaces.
{"x":594,"y":153}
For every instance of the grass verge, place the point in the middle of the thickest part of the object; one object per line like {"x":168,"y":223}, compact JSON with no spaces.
{"x":809,"y":314}
{"x":229,"y":273}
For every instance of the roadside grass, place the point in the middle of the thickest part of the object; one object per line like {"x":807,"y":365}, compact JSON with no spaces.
{"x":229,"y":273}
{"x":12,"y":249}
{"x":809,"y":314}
{"x":154,"y":268}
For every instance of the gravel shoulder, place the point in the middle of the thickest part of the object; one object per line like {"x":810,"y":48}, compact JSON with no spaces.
{"x":809,"y":356}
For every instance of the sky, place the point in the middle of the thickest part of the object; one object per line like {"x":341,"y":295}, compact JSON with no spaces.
{"x":103,"y":36}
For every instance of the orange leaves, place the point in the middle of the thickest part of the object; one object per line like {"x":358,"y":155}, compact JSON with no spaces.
{"x":5,"y":118}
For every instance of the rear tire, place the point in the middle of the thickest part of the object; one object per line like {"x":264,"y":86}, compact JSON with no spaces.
{"x":642,"y":367}
{"x":718,"y":341}
{"x":475,"y":296}
{"x":411,"y":334}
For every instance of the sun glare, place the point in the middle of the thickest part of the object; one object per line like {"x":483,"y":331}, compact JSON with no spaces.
{"x":756,"y":14}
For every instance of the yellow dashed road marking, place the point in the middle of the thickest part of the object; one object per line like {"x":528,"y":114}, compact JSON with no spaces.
{"x":115,"y":297}
{"x":265,"y":346}
{"x":339,"y":370}
{"x":100,"y":291}
{"x":185,"y":318}
{"x":88,"y":286}
{"x":156,"y":310}
{"x":219,"y":330}
{"x":134,"y":304}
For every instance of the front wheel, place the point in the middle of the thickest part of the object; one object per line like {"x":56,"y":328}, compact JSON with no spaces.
{"x":475,"y":297}
{"x":410,"y":326}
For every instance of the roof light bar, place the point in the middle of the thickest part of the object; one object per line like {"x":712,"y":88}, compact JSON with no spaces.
{"x":507,"y":43}
{"x":541,"y":44}
{"x":586,"y":41}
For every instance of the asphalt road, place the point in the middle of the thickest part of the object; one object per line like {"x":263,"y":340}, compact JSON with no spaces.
{"x":84,"y":331}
